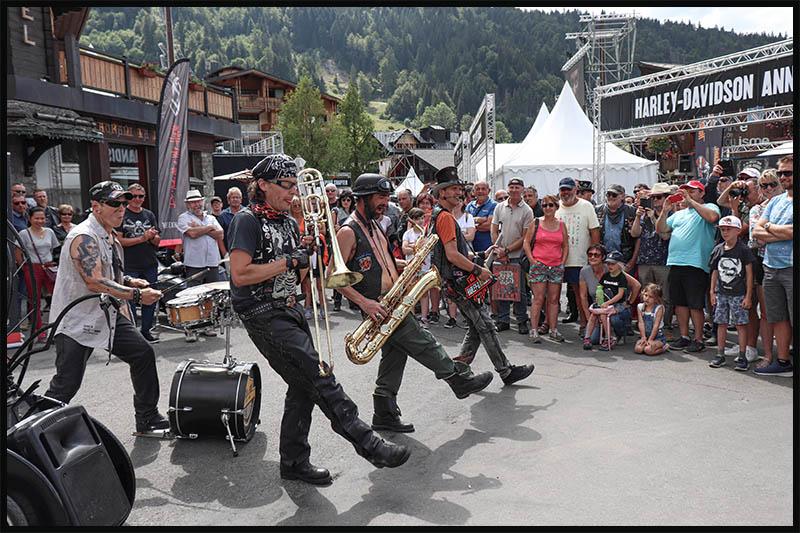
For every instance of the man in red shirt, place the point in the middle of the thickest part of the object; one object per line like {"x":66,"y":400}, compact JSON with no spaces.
{"x":450,"y":257}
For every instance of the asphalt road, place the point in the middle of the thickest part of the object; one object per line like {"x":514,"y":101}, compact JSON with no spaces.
{"x":591,"y":438}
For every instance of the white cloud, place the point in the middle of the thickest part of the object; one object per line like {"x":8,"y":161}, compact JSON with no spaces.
{"x":775,"y":20}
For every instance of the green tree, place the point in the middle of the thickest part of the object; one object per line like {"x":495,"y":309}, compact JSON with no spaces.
{"x":360,"y":147}
{"x":466,"y":122}
{"x":387,"y":73}
{"x":501,"y":133}
{"x":439,"y":115}
{"x":403,"y":103}
{"x":305,"y":131}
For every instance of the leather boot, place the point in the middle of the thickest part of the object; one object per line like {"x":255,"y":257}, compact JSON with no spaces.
{"x":464,"y":382}
{"x":387,"y":415}
{"x":387,"y":454}
{"x":308,"y":473}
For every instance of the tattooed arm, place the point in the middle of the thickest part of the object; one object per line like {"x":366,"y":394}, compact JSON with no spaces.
{"x":85,"y":255}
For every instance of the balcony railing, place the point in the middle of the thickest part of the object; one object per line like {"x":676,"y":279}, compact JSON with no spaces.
{"x":249,"y":103}
{"x":253,"y":143}
{"x":107,"y":73}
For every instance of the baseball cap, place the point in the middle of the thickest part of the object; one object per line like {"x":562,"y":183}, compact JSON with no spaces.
{"x":614,"y":256}
{"x":730,"y":221}
{"x":193,"y":194}
{"x":516,"y":181}
{"x":108,"y":190}
{"x":566,"y":183}
{"x":616,"y":188}
{"x":585,"y":185}
{"x":750,"y":172}
{"x":693,"y":184}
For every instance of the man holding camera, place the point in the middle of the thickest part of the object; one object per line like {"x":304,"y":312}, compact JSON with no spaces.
{"x":740,"y":196}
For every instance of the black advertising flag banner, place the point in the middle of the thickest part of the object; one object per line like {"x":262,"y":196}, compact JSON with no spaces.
{"x":762,"y":85}
{"x":173,"y":153}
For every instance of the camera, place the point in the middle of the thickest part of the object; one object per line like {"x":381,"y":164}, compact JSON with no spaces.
{"x":646,"y":203}
{"x":736,"y":193}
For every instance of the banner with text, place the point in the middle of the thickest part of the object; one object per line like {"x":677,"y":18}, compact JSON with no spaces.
{"x":765,"y":85}
{"x":173,"y":153}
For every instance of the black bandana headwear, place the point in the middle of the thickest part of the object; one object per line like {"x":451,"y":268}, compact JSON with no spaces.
{"x":274,"y":167}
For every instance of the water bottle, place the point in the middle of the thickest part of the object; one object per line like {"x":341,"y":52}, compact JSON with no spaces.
{"x":599,"y":297}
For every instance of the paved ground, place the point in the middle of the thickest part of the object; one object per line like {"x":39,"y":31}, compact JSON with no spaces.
{"x":592,"y":438}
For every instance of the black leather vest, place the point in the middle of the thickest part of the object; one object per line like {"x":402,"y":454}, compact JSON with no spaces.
{"x":365,"y":262}
{"x":439,"y":258}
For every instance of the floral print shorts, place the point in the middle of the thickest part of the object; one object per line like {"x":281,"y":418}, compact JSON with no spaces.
{"x":541,"y":273}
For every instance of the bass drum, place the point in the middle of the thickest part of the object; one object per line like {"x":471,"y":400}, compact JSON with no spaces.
{"x":208,"y":399}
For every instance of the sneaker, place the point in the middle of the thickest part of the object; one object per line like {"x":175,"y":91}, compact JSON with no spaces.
{"x":154,"y":423}
{"x":752,"y":354}
{"x":733,"y":351}
{"x":718,"y":361}
{"x":556,"y":336}
{"x":680,"y":343}
{"x":523,"y":328}
{"x":587,"y":344}
{"x":337,"y":306}
{"x":322,"y":314}
{"x":695,"y":346}
{"x":741,"y":364}
{"x":534,"y":337}
{"x":543,"y":329}
{"x":518,"y":373}
{"x":424,"y":323}
{"x":608,"y":345}
{"x":149,"y":338}
{"x":502,"y":326}
{"x":451,"y":323}
{"x":776,"y":369}
{"x":711,"y":341}
{"x":433,"y":318}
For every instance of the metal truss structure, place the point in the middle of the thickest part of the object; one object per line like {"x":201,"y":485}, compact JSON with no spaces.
{"x":710,"y":66}
{"x":607,"y":42}
{"x":728,"y":151}
{"x":486,"y":150}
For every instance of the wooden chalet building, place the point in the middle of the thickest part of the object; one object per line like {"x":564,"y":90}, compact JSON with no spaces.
{"x":77,"y":116}
{"x":260,"y":96}
{"x":427,"y":151}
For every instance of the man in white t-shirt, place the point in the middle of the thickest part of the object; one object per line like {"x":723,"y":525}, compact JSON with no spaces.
{"x":583,"y":230}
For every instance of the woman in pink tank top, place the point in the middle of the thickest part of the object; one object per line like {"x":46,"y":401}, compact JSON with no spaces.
{"x":546,"y":246}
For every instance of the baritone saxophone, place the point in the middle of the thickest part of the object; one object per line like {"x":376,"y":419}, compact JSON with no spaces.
{"x":362,"y":344}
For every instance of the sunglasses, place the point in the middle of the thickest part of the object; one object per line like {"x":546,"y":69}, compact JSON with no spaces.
{"x":114,"y":204}
{"x":66,"y":214}
{"x":138,"y":196}
{"x":21,"y":203}
{"x":769,"y":185}
{"x":549,"y":204}
{"x":594,"y":254}
{"x":784,"y":173}
{"x":502,"y":198}
{"x":724,"y":179}
{"x":611,"y":195}
{"x":658,"y":196}
{"x":286,"y":184}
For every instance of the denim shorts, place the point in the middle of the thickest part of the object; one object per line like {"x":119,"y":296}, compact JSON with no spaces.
{"x":541,"y":273}
{"x":729,"y":311}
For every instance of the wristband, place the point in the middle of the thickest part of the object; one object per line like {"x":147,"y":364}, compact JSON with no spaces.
{"x":137,"y":296}
{"x":289,"y":261}
{"x":476,"y":270}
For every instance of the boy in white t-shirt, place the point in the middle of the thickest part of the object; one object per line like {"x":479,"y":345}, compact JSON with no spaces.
{"x":411,"y":239}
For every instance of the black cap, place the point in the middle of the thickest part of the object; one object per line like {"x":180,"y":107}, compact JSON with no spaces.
{"x":614,"y":256}
{"x":516,"y":181}
{"x":566,"y":183}
{"x":108,"y":190}
{"x":367,"y":184}
{"x":446,"y":177}
{"x":585,"y":185}
{"x":274,"y":167}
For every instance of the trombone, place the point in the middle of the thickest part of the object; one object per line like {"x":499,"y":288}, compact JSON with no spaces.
{"x":317,"y":216}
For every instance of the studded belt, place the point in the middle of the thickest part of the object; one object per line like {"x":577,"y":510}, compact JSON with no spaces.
{"x":280,"y":303}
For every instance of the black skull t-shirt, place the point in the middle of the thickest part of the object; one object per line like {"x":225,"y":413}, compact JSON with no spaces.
{"x":264,"y":239}
{"x":138,"y":257}
{"x":730,"y":266}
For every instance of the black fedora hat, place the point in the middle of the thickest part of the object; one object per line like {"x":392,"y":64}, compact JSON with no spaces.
{"x":446,"y":177}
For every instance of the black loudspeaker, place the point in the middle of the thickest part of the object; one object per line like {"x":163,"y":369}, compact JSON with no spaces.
{"x":686,"y":164}
{"x":64,"y":444}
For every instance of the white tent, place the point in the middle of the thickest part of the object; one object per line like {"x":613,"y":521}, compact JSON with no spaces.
{"x":782,"y":149}
{"x":563,"y":147}
{"x":411,"y":182}
{"x":506,"y":151}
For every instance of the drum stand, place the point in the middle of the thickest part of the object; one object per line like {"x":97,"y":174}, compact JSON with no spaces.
{"x":226,"y":319}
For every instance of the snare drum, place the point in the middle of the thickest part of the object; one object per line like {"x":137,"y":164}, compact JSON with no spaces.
{"x":188,"y":311}
{"x":215,"y":399}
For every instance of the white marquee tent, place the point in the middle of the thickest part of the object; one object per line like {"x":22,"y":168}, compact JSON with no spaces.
{"x":563,"y":147}
{"x":506,"y":151}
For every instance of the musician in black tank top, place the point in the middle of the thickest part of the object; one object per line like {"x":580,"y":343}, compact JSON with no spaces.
{"x":365,"y":249}
{"x":449,"y":256}
{"x":269,"y":259}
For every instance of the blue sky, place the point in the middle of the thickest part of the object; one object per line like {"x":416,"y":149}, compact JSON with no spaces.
{"x":741,"y":19}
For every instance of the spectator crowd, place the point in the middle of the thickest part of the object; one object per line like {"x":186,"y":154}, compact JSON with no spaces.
{"x":671,"y":267}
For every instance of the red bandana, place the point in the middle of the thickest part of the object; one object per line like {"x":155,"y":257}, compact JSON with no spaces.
{"x":264,"y":210}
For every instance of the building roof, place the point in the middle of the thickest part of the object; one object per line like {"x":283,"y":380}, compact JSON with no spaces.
{"x":214,"y":78}
{"x":36,"y":120}
{"x":436,"y":158}
{"x":388,"y":138}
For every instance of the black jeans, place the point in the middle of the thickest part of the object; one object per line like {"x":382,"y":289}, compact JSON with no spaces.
{"x":148,"y":311}
{"x":128,"y":345}
{"x":481,"y":331}
{"x":211,"y":275}
{"x":284,"y":339}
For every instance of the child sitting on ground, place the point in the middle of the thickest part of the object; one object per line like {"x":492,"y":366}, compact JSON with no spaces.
{"x":613,"y":285}
{"x":651,"y":316}
{"x":731,"y":289}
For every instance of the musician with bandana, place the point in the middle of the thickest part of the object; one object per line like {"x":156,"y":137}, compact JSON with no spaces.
{"x":268,"y":260}
{"x":365,"y":249}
